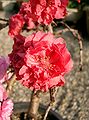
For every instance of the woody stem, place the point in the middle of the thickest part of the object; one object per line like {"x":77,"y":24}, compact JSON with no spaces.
{"x":50,"y":28}
{"x":10,"y":84}
{"x":53,"y":92}
{"x":33,"y":108}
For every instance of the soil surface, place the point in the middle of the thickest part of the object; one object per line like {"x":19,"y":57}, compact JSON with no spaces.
{"x":73,"y":98}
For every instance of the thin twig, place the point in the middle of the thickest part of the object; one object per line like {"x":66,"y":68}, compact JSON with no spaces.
{"x":46,"y":113}
{"x":53,"y":92}
{"x":54,"y":23}
{"x":5,"y":20}
{"x":50,"y":28}
{"x":5,"y":24}
{"x":79,"y":38}
{"x":10,"y":84}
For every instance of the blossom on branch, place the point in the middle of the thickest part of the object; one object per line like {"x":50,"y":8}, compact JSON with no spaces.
{"x":41,"y":60}
{"x":43,"y":11}
{"x":6,"y":105}
{"x":37,"y":12}
{"x":16,"y":24}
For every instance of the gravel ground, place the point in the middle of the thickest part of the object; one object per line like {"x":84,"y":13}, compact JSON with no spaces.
{"x":73,"y":98}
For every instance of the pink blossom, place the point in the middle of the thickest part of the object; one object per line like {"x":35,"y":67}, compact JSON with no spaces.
{"x":6,"y":105}
{"x":42,"y":61}
{"x":43,"y":11}
{"x":29,"y":17}
{"x":17,"y":55}
{"x":79,"y":1}
{"x":37,"y":12}
{"x":4,"y":64}
{"x":15,"y":25}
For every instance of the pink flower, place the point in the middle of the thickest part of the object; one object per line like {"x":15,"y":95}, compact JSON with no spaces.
{"x":37,"y":12}
{"x":4,"y":64}
{"x":53,"y":9}
{"x":27,"y":14}
{"x":6,"y":105}
{"x":16,"y":24}
{"x":17,"y":55}
{"x":43,"y":11}
{"x":79,"y":1}
{"x":44,"y":60}
{"x":61,"y":8}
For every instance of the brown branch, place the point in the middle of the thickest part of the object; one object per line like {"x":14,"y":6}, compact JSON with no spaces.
{"x":33,"y":108}
{"x":5,"y":20}
{"x":53,"y":92}
{"x":47,"y":111}
{"x":79,"y":38}
{"x":3,"y":25}
{"x":50,"y":28}
{"x":10,"y":84}
{"x":54,"y":23}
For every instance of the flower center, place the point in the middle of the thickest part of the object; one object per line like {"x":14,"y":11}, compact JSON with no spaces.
{"x":44,"y":62}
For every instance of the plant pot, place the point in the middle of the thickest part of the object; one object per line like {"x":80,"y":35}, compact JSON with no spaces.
{"x":22,"y":107}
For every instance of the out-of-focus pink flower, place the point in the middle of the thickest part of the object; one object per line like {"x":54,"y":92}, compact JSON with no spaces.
{"x":43,"y":11}
{"x":3,"y":94}
{"x":4,"y":64}
{"x":37,"y":12}
{"x":29,"y":17}
{"x":42,"y":62}
{"x":15,"y":25}
{"x":6,"y":105}
{"x":79,"y":1}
